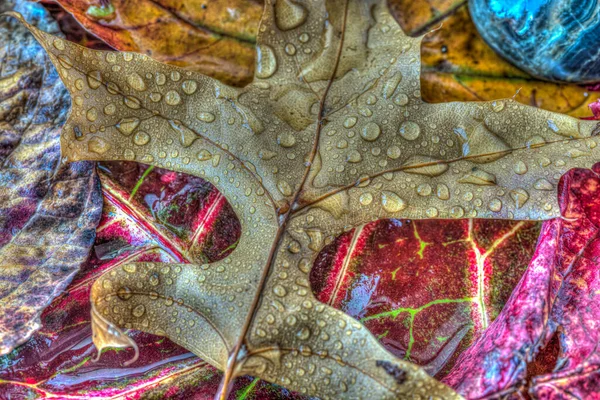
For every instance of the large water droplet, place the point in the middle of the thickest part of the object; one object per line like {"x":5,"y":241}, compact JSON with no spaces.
{"x":391,"y":202}
{"x":172,"y":98}
{"x":266,"y":63}
{"x":370,"y":132}
{"x":478,"y":177}
{"x":289,"y":15}
{"x":519,"y":196}
{"x":410,"y":130}
{"x":127,"y":125}
{"x":543,"y":184}
{"x":136,"y":82}
{"x":186,"y":135}
{"x":425,"y":165}
{"x":391,"y":85}
{"x":98,"y":145}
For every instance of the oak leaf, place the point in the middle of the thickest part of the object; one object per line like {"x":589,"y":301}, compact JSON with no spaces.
{"x":332,"y":133}
{"x":48,"y":210}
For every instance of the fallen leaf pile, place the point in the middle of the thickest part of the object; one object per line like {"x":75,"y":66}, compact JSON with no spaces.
{"x":332,"y":133}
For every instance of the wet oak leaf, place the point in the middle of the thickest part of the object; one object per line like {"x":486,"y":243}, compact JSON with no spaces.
{"x":332,"y":133}
{"x":48,"y":210}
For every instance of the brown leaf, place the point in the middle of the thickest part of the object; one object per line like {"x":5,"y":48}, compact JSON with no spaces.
{"x":332,"y":133}
{"x":48,"y":210}
{"x":213,"y":37}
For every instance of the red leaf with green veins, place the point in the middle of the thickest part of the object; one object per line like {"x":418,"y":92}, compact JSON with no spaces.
{"x":427,"y":289}
{"x":557,"y":298}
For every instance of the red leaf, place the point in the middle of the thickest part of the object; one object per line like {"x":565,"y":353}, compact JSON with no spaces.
{"x":425,"y":288}
{"x":556,"y":296}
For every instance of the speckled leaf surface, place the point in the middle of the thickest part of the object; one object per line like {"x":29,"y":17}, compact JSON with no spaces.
{"x":48,"y":211}
{"x":426,"y":289}
{"x":557,"y":298}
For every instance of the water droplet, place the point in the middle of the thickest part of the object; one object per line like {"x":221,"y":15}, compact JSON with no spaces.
{"x":425,"y":165}
{"x":431,"y":212}
{"x":172,"y":98}
{"x":535,"y":141}
{"x":520,"y":167}
{"x":443,"y":193}
{"x":110,"y":109}
{"x":141,"y":138}
{"x":391,"y":202}
{"x":98,"y":145}
{"x":129,"y":155}
{"x":304,"y":37}
{"x":303,"y":334}
{"x":543,"y":184}
{"x":94,"y":79}
{"x":91,"y":114}
{"x":457,"y":212}
{"x":266,"y":63}
{"x":354,"y":157}
{"x":279,"y":290}
{"x":189,"y":87}
{"x":424,"y":189}
{"x":291,"y":320}
{"x":286,"y":139}
{"x":132,"y":102}
{"x":370,"y":132}
{"x":175,"y":76}
{"x":350,"y":122}
{"x":138,"y":310}
{"x":111,"y":57}
{"x":289,"y":15}
{"x":154,"y":279}
{"x":160,"y":79}
{"x":391,"y":85}
{"x":124,"y":293}
{"x":284,"y":188}
{"x":59,"y":44}
{"x":130,"y":268}
{"x":401,"y":99}
{"x":136,"y":82}
{"x":290,"y":49}
{"x":519,"y":196}
{"x":127,"y":125}
{"x":79,"y":84}
{"x":65,"y":61}
{"x":497,"y":105}
{"x":410,"y":130}
{"x":186,"y":135}
{"x":478,"y":177}
{"x":366,"y":199}
{"x":495,"y":205}
{"x":394,"y":152}
{"x":206,"y":116}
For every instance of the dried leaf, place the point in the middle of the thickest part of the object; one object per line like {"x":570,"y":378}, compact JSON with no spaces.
{"x":557,"y":296}
{"x":215,"y":38}
{"x":332,"y":133}
{"x":48,"y":211}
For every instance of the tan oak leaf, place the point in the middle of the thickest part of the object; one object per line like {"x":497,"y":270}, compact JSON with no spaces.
{"x":332,"y":133}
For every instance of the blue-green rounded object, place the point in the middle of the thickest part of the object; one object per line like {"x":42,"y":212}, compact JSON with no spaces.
{"x":556,"y":40}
